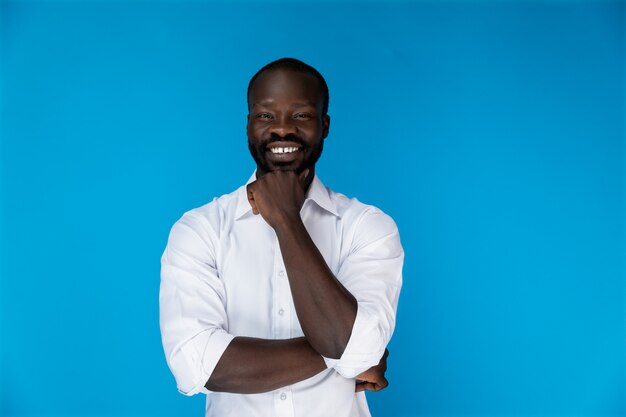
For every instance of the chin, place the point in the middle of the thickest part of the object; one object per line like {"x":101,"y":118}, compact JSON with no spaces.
{"x":286,"y":168}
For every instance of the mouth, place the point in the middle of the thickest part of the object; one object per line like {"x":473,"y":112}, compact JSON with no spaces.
{"x":283,"y":152}
{"x":288,"y":149}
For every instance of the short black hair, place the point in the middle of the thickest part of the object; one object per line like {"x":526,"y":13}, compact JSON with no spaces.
{"x":295,"y":65}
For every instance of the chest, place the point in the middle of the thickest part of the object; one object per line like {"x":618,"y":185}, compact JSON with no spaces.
{"x":256,"y":282}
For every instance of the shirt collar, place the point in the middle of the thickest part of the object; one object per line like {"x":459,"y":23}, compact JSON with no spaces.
{"x":320,"y":195}
{"x":317,"y":192}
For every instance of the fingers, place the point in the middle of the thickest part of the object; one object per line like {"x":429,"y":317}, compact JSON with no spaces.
{"x":255,"y":210}
{"x":383,"y":384}
{"x":278,"y":195}
{"x":360,"y":386}
{"x":371,"y":386}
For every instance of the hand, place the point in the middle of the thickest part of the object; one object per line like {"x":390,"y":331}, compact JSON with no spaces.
{"x":374,"y":378}
{"x":278,"y":196}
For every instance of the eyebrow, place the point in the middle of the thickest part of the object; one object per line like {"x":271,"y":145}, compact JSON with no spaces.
{"x":270,"y":102}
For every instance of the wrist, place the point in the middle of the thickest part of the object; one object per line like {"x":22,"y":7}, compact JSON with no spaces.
{"x":289,"y":224}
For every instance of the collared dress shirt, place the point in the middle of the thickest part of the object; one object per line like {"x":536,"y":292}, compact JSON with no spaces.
{"x":223,"y":275}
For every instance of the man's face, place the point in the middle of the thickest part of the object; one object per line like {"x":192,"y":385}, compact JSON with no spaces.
{"x":286,"y":127}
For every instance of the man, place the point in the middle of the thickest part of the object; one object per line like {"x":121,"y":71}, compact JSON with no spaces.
{"x":279,"y":299}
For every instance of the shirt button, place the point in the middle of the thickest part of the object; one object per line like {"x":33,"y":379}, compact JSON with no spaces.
{"x":281,"y":311}
{"x":281,"y":273}
{"x":283,"y":396}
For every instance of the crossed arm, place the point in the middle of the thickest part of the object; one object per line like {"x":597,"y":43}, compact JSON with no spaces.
{"x":326,"y":310}
{"x":250,"y":365}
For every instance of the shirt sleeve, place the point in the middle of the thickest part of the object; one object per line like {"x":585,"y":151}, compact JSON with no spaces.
{"x":372,"y":272}
{"x":193,"y":318}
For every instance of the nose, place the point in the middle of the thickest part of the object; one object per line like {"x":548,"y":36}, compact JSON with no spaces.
{"x":283,"y":126}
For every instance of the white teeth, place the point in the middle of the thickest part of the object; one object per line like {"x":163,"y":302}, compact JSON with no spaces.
{"x":283,"y":150}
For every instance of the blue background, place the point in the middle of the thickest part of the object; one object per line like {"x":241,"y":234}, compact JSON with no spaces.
{"x":493,"y":133}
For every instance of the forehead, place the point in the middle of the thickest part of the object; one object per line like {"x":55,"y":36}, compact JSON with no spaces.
{"x":285,"y":85}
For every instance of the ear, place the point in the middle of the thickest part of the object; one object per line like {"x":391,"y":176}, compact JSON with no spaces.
{"x":325,"y":126}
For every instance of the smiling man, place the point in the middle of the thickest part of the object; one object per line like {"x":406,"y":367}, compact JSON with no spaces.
{"x":279,"y":299}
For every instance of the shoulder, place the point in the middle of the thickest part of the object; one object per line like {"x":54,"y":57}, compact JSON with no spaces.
{"x":362,"y":218}
{"x":207,"y":220}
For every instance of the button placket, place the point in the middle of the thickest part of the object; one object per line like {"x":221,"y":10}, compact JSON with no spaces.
{"x":284,"y":403}
{"x":282,"y":298}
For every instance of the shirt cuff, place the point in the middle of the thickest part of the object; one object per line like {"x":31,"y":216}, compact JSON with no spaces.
{"x":365,"y":347}
{"x":203,"y":353}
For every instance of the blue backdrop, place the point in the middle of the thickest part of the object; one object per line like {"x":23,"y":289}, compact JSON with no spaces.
{"x":493,"y":132}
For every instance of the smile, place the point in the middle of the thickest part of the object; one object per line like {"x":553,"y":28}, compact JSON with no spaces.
{"x":284,"y":150}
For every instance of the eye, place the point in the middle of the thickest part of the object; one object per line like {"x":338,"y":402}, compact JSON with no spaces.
{"x":264,"y":116}
{"x":303,"y":116}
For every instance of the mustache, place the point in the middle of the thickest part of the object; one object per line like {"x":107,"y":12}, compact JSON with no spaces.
{"x":287,"y":138}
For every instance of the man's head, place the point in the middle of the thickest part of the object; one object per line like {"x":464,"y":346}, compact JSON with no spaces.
{"x":294,"y":65}
{"x":287,"y":120}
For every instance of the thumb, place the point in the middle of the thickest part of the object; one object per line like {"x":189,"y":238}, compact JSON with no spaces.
{"x":255,"y":210}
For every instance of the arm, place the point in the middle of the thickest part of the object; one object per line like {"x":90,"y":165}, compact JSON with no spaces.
{"x":199,"y":351}
{"x":252,"y":365}
{"x":372,"y":271}
{"x":374,"y":378}
{"x":354,"y":312}
{"x":326,"y":310}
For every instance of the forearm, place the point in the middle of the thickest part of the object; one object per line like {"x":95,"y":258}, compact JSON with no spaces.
{"x":251,"y":365}
{"x":325,"y":308}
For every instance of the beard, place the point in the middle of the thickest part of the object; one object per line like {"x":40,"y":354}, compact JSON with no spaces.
{"x":311,"y":153}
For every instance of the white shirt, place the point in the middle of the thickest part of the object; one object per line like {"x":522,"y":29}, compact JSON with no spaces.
{"x":222,"y":275}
